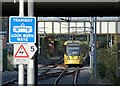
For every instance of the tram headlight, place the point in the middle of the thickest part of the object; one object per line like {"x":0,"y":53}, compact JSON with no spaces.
{"x":68,"y":58}
{"x":78,"y":58}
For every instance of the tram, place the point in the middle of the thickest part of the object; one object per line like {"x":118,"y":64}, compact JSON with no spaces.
{"x":72,"y":53}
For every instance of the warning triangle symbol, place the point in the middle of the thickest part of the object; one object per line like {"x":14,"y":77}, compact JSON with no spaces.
{"x":21,"y":53}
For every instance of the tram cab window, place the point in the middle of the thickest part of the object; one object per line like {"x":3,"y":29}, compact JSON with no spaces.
{"x":73,"y":50}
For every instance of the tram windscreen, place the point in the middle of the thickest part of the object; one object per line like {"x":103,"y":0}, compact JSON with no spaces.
{"x":73,"y":50}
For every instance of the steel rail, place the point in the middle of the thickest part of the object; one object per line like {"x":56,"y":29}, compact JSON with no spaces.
{"x":76,"y":77}
{"x":9,"y":82}
{"x":59,"y":77}
{"x":51,"y":62}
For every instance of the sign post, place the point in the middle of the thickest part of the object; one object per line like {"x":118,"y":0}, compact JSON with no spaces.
{"x":30,"y":67}
{"x":21,"y":66}
{"x":22,"y":33}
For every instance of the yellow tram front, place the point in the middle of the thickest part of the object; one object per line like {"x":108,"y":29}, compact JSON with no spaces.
{"x":72,"y":53}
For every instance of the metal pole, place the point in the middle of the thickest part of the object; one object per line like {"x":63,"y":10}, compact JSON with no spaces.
{"x":30,"y":67}
{"x":68,"y":28}
{"x":107,"y":34}
{"x":1,"y":58}
{"x":111,"y":41}
{"x":53,"y":28}
{"x":91,"y":43}
{"x":94,"y":52}
{"x":21,"y":75}
{"x":30,"y":8}
{"x":1,"y":51}
{"x":21,"y":66}
{"x":21,"y":7}
{"x":60,"y":27}
{"x":87,"y":38}
{"x":36,"y":58}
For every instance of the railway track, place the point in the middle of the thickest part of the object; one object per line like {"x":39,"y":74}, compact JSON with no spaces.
{"x":14,"y":82}
{"x":76,"y":77}
{"x":50,"y":75}
{"x":59,"y":77}
{"x":46,"y":75}
{"x":56,"y":62}
{"x":47,"y":70}
{"x":10,"y":83}
{"x":75,"y":74}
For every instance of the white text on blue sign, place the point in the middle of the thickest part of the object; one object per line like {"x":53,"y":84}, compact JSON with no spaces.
{"x":22,"y":30}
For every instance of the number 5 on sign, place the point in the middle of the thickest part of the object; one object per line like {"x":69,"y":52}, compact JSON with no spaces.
{"x":32,"y":50}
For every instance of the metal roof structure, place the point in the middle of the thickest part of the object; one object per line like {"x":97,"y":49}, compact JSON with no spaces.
{"x":77,"y":19}
{"x":63,"y":8}
{"x":65,"y":0}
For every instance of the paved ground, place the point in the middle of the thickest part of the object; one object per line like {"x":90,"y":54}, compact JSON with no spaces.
{"x":0,"y":78}
{"x":7,"y":76}
{"x":84,"y":78}
{"x":10,"y":75}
